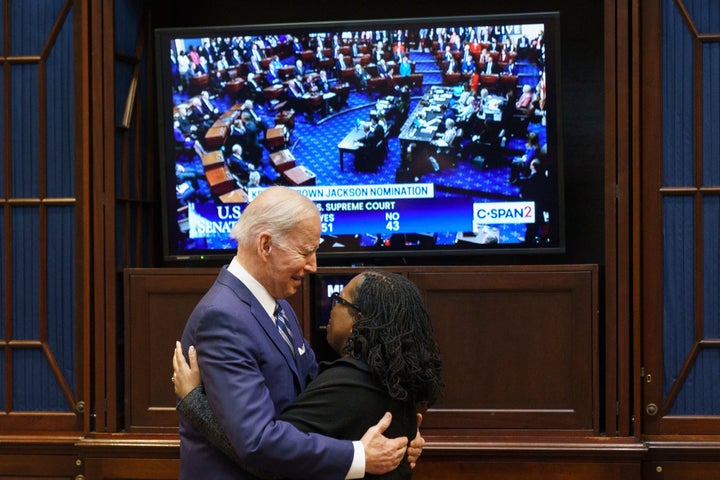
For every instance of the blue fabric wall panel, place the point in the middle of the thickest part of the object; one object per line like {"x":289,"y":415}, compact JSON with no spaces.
{"x":677,"y":99}
{"x":3,"y":300}
{"x":678,"y":285}
{"x":32,"y":22}
{"x":2,"y":133}
{"x":35,"y":387}
{"x":24,"y":131}
{"x":128,"y":14}
{"x":25,"y":247}
{"x":711,"y":267}
{"x":61,"y":288}
{"x":699,"y":393}
{"x":60,"y":89}
{"x":711,"y":114}
{"x":705,"y":15}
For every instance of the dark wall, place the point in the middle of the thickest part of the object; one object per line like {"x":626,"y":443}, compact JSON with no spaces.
{"x":581,"y":95}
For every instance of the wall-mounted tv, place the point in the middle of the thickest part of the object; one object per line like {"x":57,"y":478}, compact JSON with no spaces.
{"x":425,"y":136}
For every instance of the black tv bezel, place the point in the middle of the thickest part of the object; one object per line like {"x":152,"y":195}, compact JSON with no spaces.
{"x":162,"y":38}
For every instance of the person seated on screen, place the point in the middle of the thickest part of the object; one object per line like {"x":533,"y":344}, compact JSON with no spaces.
{"x":491,"y":67}
{"x":275,"y":60}
{"x":340,"y":65}
{"x":187,"y":189}
{"x":254,"y":65}
{"x":272,"y":76}
{"x":299,"y":68}
{"x":335,"y":45}
{"x":249,"y":106}
{"x":398,"y":51}
{"x":222,"y":63}
{"x":466,"y":92}
{"x":297,"y":46}
{"x":508,"y":46}
{"x":468,"y":64}
{"x":403,"y":105}
{"x":367,"y":157}
{"x":526,"y":98}
{"x":208,"y":106}
{"x":485,"y":56}
{"x":319,"y":54}
{"x":447,"y":55}
{"x":254,"y":180}
{"x":373,"y":132}
{"x":541,"y":90}
{"x":520,"y":166}
{"x":382,"y":69}
{"x":503,"y":57}
{"x":378,"y":318}
{"x":184,"y":70}
{"x":452,"y":67}
{"x":298,"y":96}
{"x":331,"y":100}
{"x":378,"y":52}
{"x":467,"y":113}
{"x":239,"y":167}
{"x":249,"y":138}
{"x":535,"y":187}
{"x":253,"y":90}
{"x":447,"y":137}
{"x":202,"y":68}
{"x":198,"y":117}
{"x":405,"y":68}
{"x":236,"y":58}
{"x":183,"y":117}
{"x":510,"y":67}
{"x":479,"y":141}
{"x":355,"y":50}
{"x":185,"y":142}
{"x":361,"y":77}
{"x":256,"y":52}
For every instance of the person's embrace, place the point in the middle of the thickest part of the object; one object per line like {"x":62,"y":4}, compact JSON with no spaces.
{"x":255,"y":360}
{"x":389,"y":361}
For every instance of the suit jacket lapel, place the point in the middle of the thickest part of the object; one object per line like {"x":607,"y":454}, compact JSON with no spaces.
{"x":262,"y":318}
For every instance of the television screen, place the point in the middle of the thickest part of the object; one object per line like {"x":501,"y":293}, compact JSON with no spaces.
{"x":420,"y":136}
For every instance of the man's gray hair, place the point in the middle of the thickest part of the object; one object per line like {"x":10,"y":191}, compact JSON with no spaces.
{"x":276,"y":210}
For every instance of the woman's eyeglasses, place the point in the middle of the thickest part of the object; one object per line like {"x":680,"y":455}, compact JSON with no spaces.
{"x":335,"y":298}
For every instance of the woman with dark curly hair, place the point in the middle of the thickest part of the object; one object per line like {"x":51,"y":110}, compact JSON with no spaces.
{"x":389,"y":361}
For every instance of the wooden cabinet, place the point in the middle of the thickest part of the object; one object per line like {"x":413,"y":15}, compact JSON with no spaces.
{"x":519,"y":346}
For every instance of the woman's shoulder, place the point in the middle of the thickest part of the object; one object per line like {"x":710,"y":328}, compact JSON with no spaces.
{"x":345,"y":366}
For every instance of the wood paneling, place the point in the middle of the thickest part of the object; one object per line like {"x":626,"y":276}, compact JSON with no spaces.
{"x":157,"y":304}
{"x":519,"y":347}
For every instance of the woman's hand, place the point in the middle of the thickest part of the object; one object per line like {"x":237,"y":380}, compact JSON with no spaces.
{"x":416,"y":446}
{"x":185,"y":376}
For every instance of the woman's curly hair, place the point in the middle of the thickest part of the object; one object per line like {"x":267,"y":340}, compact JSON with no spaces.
{"x":392,"y":333}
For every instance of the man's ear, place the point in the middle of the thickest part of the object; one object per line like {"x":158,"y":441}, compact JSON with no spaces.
{"x":264,"y":244}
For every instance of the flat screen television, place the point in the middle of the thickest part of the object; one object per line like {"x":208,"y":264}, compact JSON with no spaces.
{"x":420,"y":136}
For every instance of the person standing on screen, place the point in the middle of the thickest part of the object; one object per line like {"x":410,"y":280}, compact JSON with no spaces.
{"x":252,"y":371}
{"x":378,"y":318}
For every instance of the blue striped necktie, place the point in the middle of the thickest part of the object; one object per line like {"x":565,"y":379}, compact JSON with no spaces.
{"x":282,"y":324}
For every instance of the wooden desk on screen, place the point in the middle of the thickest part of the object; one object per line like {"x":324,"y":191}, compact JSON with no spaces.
{"x":349,"y":144}
{"x":299,"y":176}
{"x":282,"y":160}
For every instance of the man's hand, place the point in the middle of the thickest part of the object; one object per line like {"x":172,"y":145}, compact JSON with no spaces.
{"x":416,"y":446}
{"x":382,"y":454}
